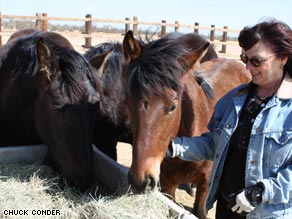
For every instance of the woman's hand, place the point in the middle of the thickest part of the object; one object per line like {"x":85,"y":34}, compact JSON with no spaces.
{"x":248,"y":198}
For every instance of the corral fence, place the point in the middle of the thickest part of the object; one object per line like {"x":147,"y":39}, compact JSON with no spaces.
{"x":217,"y":36}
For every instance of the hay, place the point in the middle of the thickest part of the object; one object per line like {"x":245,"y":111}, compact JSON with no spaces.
{"x":29,"y":189}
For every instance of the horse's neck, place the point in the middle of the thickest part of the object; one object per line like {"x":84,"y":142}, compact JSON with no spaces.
{"x":196,"y":109}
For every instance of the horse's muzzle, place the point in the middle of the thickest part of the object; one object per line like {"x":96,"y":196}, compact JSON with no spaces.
{"x":148,"y":184}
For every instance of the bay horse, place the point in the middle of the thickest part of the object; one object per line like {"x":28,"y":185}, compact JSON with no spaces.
{"x":112,"y":123}
{"x":170,"y":94}
{"x":49,"y":94}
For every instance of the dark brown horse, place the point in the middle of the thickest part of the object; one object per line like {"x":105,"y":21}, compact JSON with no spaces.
{"x":170,"y":94}
{"x":49,"y":94}
{"x":21,"y":33}
{"x":112,"y":123}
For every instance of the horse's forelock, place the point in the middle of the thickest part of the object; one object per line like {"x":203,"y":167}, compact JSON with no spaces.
{"x":77,"y":77}
{"x":157,"y":67}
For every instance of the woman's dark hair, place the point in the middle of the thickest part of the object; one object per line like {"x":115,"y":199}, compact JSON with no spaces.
{"x":276,"y":34}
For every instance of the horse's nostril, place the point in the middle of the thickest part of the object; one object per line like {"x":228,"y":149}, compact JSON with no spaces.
{"x":150,"y":183}
{"x":144,"y":186}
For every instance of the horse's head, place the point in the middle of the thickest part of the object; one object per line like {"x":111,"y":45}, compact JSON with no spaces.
{"x":108,"y":60}
{"x":68,"y":99}
{"x":157,"y":74}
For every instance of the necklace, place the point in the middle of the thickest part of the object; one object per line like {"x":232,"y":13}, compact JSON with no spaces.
{"x":260,"y":98}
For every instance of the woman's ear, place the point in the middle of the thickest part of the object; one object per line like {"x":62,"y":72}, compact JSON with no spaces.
{"x":284,"y":60}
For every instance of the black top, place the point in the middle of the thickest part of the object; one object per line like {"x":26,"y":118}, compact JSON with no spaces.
{"x":233,"y":176}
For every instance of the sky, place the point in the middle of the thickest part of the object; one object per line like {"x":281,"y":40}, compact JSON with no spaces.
{"x":232,"y":13}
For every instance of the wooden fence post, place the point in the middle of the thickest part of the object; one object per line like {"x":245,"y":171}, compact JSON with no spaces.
{"x":135,"y":25}
{"x":88,"y":30}
{"x":212,"y":34}
{"x":127,"y":25}
{"x":176,"y":27}
{"x":224,"y":39}
{"x":38,"y":21}
{"x":0,"y":30}
{"x":196,"y":28}
{"x":44,"y":21}
{"x":163,"y":28}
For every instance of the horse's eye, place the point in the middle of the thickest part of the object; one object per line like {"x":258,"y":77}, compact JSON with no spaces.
{"x":171,"y":108}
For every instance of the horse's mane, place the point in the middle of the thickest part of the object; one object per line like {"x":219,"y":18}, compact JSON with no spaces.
{"x":205,"y":84}
{"x":76,"y":71}
{"x":21,"y":61}
{"x":157,"y":67}
{"x":99,"y":49}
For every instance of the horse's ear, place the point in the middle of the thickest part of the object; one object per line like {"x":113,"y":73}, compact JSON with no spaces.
{"x":98,"y":61}
{"x":193,"y":57}
{"x":48,"y":64}
{"x":131,"y":46}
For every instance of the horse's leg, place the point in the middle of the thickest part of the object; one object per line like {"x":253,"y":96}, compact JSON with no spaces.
{"x":190,"y":188}
{"x":201,"y":180}
{"x":175,"y":171}
{"x":169,"y":181}
{"x":169,"y":192}
{"x":199,"y":208}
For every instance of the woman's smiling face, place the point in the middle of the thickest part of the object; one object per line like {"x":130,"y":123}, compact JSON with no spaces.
{"x":270,"y":70}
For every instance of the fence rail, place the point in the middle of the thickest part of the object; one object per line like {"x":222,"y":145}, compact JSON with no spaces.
{"x":42,"y":19}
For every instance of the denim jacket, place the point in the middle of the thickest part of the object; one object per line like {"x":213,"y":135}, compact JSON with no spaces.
{"x":269,"y":154}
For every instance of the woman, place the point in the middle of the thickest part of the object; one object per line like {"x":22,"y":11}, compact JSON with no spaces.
{"x":250,"y":132}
